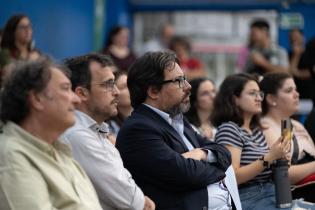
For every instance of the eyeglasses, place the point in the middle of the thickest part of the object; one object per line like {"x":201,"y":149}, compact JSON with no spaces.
{"x":24,"y":27}
{"x":181,"y":80}
{"x":256,"y":94}
{"x":108,"y":85}
{"x":208,"y":93}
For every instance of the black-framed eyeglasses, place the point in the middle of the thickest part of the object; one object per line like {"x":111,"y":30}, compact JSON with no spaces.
{"x":108,"y":85}
{"x":181,"y":80}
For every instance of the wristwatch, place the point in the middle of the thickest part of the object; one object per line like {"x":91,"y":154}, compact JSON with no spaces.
{"x":265,"y":163}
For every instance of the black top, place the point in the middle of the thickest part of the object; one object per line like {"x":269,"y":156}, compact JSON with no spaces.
{"x":309,"y":62}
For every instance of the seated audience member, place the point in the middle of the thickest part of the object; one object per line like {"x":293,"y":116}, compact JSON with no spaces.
{"x":174,"y":165}
{"x":117,"y":47}
{"x":282,"y":101}
{"x":94,"y":83}
{"x":192,"y":67}
{"x":124,"y":107}
{"x":264,"y":55}
{"x":37,"y":171}
{"x":201,"y":99}
{"x":18,"y":38}
{"x":236,"y":110}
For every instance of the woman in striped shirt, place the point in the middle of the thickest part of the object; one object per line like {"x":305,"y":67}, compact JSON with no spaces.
{"x":236,"y":114}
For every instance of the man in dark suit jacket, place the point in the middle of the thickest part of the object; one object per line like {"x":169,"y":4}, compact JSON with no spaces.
{"x":170,"y":162}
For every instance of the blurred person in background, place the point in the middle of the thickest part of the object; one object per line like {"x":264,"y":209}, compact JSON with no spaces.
{"x":18,"y":38}
{"x":308,"y":62}
{"x":203,"y":92}
{"x":161,"y":41}
{"x":264,"y":55}
{"x":124,"y":107}
{"x":298,"y":66}
{"x":117,"y":48}
{"x":192,"y":67}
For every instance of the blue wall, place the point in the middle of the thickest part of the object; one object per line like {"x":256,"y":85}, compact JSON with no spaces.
{"x":308,"y":11}
{"x":117,"y":13}
{"x":61,"y":28}
{"x":65,"y":28}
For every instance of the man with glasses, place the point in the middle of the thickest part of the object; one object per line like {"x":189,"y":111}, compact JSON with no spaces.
{"x":94,"y":82}
{"x":173,"y":165}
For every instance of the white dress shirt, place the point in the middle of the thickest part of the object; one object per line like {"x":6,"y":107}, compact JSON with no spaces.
{"x":101,"y":160}
{"x":218,"y":198}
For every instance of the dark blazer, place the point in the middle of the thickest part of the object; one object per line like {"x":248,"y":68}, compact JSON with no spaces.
{"x":151,"y":150}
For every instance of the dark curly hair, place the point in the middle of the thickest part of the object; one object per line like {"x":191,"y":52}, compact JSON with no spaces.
{"x":225,"y":108}
{"x":28,"y":76}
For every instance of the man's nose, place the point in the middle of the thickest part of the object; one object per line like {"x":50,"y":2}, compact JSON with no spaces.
{"x":187,"y":85}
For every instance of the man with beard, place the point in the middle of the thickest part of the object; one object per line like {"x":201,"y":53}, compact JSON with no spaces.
{"x":171,"y":163}
{"x":94,"y":82}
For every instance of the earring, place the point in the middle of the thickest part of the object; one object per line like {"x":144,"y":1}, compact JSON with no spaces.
{"x":274,"y":104}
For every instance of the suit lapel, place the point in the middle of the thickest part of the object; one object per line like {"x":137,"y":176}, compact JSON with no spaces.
{"x":190,"y":135}
{"x":163,"y":123}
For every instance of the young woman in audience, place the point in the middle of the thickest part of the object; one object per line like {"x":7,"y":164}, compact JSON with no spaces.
{"x":17,"y":38}
{"x":203,"y":92}
{"x":124,"y":104}
{"x":117,"y":47}
{"x":235,"y":114}
{"x":282,"y":101}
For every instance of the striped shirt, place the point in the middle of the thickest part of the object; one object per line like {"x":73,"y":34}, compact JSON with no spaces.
{"x":253,"y":146}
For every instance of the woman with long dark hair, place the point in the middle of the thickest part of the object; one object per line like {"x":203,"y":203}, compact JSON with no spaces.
{"x":117,"y":47}
{"x":237,"y":107}
{"x":201,"y":99}
{"x":17,"y":38}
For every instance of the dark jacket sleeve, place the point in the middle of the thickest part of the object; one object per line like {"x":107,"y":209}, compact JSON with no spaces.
{"x":149,"y":154}
{"x":223,"y":155}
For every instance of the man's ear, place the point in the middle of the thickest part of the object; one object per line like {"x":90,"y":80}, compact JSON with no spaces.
{"x":36,"y":100}
{"x":81,"y":92}
{"x":153,"y":92}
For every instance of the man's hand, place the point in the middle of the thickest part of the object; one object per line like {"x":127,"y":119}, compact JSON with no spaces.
{"x":196,"y":154}
{"x":148,"y":204}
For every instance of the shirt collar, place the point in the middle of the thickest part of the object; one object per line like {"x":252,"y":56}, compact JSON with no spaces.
{"x":12,"y":129}
{"x":89,"y":122}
